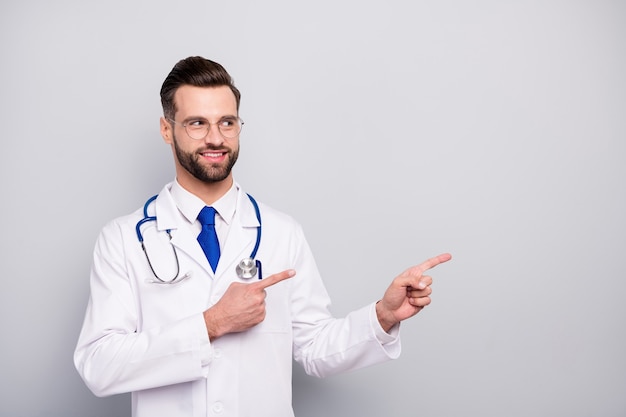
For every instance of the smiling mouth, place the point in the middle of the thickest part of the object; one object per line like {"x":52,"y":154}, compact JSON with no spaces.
{"x":213,"y":154}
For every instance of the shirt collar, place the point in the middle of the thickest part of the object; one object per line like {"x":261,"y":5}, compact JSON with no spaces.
{"x":190,"y":205}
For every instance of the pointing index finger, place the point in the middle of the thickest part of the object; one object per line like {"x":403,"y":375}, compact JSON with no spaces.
{"x":275,"y":278}
{"x":433,"y":262}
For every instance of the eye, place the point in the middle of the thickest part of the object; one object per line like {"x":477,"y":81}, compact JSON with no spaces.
{"x":228,"y":122}
{"x":197,"y":123}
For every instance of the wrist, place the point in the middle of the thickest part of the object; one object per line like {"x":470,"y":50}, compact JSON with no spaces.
{"x":385,"y":317}
{"x":212,"y":324}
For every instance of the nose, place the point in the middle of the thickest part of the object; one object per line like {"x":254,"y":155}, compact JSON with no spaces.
{"x":213,"y":136}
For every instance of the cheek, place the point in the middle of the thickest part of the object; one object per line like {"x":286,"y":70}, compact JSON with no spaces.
{"x":235,"y":145}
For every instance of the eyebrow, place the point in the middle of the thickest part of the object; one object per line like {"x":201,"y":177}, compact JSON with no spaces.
{"x":190,"y":118}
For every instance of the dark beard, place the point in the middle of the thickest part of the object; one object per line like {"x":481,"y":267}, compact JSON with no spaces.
{"x":215,"y":173}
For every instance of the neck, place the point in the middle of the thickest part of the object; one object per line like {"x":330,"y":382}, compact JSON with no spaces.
{"x":207,"y":192}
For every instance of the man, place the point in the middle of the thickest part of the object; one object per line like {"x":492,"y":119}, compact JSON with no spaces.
{"x":177,"y":326}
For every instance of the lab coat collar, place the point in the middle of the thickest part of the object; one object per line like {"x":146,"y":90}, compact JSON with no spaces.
{"x":241,"y":236}
{"x":190,"y":205}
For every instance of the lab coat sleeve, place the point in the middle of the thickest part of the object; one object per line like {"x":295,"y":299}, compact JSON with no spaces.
{"x":112,"y":355}
{"x":324,"y":345}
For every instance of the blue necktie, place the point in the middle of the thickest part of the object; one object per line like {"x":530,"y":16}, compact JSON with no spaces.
{"x":207,"y":237}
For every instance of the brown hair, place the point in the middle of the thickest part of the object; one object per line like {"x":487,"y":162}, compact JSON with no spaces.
{"x":196,"y":71}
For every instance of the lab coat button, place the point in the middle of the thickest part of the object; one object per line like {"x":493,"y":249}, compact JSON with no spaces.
{"x":217,"y":353}
{"x":218,"y":407}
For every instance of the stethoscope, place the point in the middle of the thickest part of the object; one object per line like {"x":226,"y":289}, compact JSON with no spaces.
{"x":247,"y":268}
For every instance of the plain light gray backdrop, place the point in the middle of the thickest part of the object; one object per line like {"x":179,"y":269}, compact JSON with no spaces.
{"x":392,"y":131}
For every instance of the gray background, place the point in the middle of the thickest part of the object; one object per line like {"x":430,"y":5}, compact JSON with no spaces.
{"x":392,"y":131}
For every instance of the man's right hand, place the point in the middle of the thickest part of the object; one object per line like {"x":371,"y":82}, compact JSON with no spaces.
{"x":241,"y":307}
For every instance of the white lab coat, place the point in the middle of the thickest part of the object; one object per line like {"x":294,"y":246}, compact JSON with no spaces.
{"x":151,"y":339}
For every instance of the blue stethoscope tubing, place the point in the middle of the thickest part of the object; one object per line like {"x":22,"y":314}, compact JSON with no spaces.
{"x":248,"y":270}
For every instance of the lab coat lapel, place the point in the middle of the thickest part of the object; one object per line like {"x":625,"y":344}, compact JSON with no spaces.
{"x":241,"y":236}
{"x":169,"y":217}
{"x":187,"y":242}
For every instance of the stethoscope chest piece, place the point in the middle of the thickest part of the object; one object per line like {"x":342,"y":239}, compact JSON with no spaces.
{"x":248,"y":268}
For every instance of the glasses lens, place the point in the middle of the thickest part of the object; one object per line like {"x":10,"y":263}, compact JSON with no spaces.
{"x":197,"y":130}
{"x":230,"y":127}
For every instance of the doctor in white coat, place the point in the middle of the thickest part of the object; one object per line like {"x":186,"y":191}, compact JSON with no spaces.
{"x":191,"y":341}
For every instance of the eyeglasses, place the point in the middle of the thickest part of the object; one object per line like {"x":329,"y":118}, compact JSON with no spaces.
{"x":229,"y":127}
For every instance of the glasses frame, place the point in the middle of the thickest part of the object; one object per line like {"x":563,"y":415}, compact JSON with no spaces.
{"x":208,"y":129}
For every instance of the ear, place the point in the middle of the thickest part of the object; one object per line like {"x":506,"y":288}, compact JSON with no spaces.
{"x":166,"y":131}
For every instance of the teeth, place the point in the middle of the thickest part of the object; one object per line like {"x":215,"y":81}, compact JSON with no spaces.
{"x":212,"y":155}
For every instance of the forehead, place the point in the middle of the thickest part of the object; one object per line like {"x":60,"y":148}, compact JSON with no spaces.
{"x":205,"y":101}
